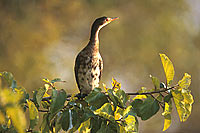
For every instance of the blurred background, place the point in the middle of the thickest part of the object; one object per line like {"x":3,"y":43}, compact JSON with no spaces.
{"x":41,"y":38}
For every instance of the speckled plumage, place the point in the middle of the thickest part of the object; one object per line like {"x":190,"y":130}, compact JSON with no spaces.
{"x":88,"y":69}
{"x":89,"y":64}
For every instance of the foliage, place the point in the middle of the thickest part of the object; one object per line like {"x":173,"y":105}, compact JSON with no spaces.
{"x":109,"y":111}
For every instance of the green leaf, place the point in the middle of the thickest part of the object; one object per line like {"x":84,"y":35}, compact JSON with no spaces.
{"x":33,"y":114}
{"x":14,"y":84}
{"x":108,"y":127}
{"x":149,"y":108}
{"x":156,"y":82}
{"x":159,"y":97}
{"x":145,"y":109}
{"x":112,"y":127}
{"x":136,"y":104}
{"x":87,"y":113}
{"x":65,"y":120}
{"x":95,"y":124}
{"x":128,"y":111}
{"x":122,"y":97}
{"x":45,"y":124}
{"x":58,"y":122}
{"x":103,"y":128}
{"x":7,"y":79}
{"x":168,"y":97}
{"x":40,"y":94}
{"x":96,"y":98}
{"x":58,"y":100}
{"x":112,"y":97}
{"x":56,"y":80}
{"x":168,"y":68}
{"x":106,"y":112}
{"x":167,"y":115}
{"x":76,"y":120}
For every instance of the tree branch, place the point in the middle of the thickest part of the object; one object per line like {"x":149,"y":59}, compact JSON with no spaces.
{"x":131,"y":93}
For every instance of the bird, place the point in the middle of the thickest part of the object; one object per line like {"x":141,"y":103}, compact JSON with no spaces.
{"x":89,"y":64}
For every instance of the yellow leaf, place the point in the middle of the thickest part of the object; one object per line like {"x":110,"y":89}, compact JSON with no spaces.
{"x":9,"y":123}
{"x":130,"y":123}
{"x":33,"y":112}
{"x":122,"y":129}
{"x":45,"y":104}
{"x":188,"y":98}
{"x":73,"y":98}
{"x":9,"y":97}
{"x":85,"y":127}
{"x":13,"y":111}
{"x":18,"y":118}
{"x":115,"y":85}
{"x":167,"y":115}
{"x":2,"y":118}
{"x":167,"y":122}
{"x":46,"y":95}
{"x":140,"y":97}
{"x":118,"y":113}
{"x":105,"y":111}
{"x":185,"y":82}
{"x":117,"y":116}
{"x":168,"y":68}
{"x":183,"y":104}
{"x":183,"y":98}
{"x":48,"y":82}
{"x":47,"y":86}
{"x":104,"y":86}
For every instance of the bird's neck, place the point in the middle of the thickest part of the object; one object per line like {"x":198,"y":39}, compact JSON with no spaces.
{"x":94,"y":37}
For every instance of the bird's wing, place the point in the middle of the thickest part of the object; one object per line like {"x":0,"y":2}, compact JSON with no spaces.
{"x":100,"y":67}
{"x":76,"y":68}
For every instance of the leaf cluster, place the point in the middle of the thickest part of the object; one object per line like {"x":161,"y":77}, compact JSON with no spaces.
{"x":112,"y":110}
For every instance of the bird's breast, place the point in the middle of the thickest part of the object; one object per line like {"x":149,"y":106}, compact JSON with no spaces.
{"x":89,"y":72}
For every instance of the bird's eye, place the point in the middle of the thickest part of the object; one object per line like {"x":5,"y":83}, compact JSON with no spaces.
{"x":107,"y":19}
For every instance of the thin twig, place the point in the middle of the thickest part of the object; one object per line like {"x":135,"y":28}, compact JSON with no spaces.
{"x":160,"y":103}
{"x":153,"y":92}
{"x":161,"y":94}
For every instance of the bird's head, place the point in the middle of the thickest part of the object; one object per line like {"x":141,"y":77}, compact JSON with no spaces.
{"x":103,"y":21}
{"x":98,"y":24}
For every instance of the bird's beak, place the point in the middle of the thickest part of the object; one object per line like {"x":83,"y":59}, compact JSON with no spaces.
{"x":115,"y":18}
